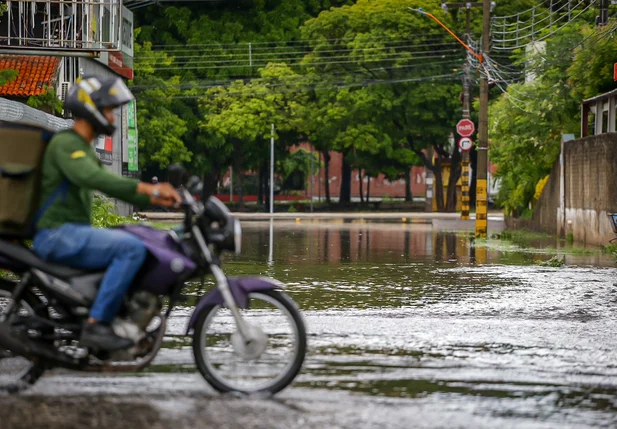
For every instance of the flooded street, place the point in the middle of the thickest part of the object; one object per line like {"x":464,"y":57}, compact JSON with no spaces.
{"x":410,"y":325}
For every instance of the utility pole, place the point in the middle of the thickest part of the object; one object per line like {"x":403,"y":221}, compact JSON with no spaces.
{"x":602,"y":18}
{"x":482,"y":182}
{"x":272,"y":171}
{"x":465,"y":200}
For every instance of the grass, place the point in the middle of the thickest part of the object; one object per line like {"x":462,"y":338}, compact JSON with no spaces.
{"x":555,"y":261}
{"x":522,"y":241}
{"x":610,"y":249}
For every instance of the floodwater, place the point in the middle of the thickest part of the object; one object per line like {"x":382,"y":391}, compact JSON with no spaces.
{"x":410,"y":325}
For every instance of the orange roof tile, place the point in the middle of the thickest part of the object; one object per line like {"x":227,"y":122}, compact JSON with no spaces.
{"x":35,"y":72}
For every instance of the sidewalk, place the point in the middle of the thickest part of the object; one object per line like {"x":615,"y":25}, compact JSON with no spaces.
{"x":176,"y":217}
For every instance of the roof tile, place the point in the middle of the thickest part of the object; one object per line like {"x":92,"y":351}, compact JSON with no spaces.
{"x":35,"y":72}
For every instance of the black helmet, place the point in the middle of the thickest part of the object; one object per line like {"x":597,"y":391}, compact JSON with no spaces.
{"x":90,"y":95}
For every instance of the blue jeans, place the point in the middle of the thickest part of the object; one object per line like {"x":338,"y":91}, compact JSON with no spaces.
{"x":84,"y":247}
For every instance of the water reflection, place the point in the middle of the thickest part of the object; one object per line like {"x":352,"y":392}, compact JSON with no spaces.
{"x":416,"y":312}
{"x":348,"y":242}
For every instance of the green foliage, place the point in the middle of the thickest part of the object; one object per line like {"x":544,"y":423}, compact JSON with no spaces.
{"x":555,"y":262}
{"x":104,"y":214}
{"x":591,"y":72}
{"x":527,"y":124}
{"x":160,"y":128}
{"x":610,"y":249}
{"x":3,"y":9}
{"x":300,"y":161}
{"x":7,"y":76}
{"x":47,"y":102}
{"x":357,"y":81}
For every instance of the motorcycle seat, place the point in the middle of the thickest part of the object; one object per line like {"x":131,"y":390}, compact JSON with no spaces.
{"x":26,"y":257}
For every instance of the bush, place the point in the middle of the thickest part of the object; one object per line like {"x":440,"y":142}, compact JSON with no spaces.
{"x":104,"y":214}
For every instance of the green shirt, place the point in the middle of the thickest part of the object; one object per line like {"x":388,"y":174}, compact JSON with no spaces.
{"x":70,"y":156}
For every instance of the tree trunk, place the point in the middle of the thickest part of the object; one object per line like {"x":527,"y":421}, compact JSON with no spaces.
{"x":345,"y":195}
{"x":210,"y":182}
{"x":238,"y":158}
{"x":261,"y":185}
{"x":326,"y":157}
{"x":438,"y":185}
{"x":361,"y":187}
{"x":455,"y":174}
{"x":368,"y":189}
{"x":408,"y":195}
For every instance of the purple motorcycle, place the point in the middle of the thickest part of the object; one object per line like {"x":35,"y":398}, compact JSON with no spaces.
{"x":247,"y":336}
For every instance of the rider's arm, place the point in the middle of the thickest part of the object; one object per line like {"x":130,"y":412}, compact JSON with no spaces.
{"x":82,"y":168}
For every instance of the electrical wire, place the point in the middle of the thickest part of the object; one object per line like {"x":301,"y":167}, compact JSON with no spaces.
{"x":311,"y":64}
{"x":253,"y":54}
{"x":301,"y":78}
{"x":305,"y":41}
{"x":251,"y":61}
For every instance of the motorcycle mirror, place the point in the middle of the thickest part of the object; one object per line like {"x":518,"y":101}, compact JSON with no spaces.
{"x":176,"y":175}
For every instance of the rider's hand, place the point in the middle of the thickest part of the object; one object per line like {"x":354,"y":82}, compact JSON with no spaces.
{"x":162,"y":194}
{"x":164,"y":202}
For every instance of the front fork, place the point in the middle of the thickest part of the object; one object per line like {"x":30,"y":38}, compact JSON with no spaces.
{"x":222,"y":284}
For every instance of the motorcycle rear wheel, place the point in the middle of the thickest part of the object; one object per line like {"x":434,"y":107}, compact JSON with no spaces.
{"x":17,"y":373}
{"x":218,"y":357}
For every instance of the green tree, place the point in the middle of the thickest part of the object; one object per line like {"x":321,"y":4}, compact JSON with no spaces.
{"x":210,"y":46}
{"x":47,"y":102}
{"x":239,"y":117}
{"x":160,"y":129}
{"x":397,"y":100}
{"x":527,"y":123}
{"x":591,"y":72}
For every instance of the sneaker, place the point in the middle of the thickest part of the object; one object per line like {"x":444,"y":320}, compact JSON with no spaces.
{"x":99,"y":336}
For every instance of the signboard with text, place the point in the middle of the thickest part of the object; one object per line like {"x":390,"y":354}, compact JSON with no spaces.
{"x":465,"y":128}
{"x":132,"y":145}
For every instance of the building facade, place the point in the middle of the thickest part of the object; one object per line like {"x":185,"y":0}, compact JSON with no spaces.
{"x":50,"y":45}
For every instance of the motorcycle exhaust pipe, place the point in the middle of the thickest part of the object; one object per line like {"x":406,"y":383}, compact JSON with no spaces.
{"x":33,"y":351}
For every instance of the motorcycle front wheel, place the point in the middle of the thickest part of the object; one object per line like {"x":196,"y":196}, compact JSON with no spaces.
{"x":267,"y":363}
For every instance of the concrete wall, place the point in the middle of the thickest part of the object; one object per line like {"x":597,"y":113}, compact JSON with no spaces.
{"x":581,"y":191}
{"x":590,"y":166}
{"x":545,"y":213}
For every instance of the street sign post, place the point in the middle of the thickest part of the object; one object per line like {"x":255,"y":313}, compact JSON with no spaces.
{"x":465,"y":128}
{"x":465,"y":144}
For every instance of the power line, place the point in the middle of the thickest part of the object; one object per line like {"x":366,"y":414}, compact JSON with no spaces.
{"x":301,"y":78}
{"x":257,"y":54}
{"x":324,"y":63}
{"x":532,"y":35}
{"x":298,"y":60}
{"x":302,"y":41}
{"x":533,"y":23}
{"x":531,"y":9}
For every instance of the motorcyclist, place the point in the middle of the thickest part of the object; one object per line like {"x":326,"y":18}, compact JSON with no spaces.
{"x":71,"y":172}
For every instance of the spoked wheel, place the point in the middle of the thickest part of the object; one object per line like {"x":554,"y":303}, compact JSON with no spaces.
{"x":268,"y":362}
{"x":16,"y":373}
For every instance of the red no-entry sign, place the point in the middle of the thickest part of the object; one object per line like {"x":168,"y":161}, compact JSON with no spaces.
{"x":465,"y":128}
